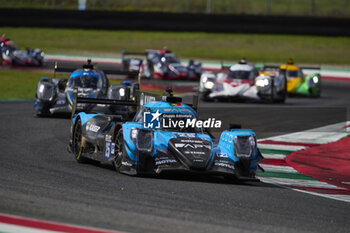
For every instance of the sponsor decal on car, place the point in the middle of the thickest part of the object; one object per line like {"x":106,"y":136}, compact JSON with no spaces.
{"x":144,"y":99}
{"x":194,"y":146}
{"x":221,"y":155}
{"x":125,"y":163}
{"x":92,"y":127}
{"x":61,"y":102}
{"x":164,"y":161}
{"x":109,"y":147}
{"x":176,"y":105}
{"x":226,"y":165}
{"x":186,"y":135}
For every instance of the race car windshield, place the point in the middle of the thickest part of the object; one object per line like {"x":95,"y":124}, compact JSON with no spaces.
{"x":241,"y":74}
{"x":292,"y":73}
{"x":10,"y":48}
{"x":170,"y":59}
{"x":85,"y":82}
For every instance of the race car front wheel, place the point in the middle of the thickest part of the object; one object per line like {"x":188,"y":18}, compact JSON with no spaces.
{"x":78,"y":143}
{"x":119,"y":150}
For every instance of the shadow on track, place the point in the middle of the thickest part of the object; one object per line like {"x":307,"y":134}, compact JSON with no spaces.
{"x":188,"y":177}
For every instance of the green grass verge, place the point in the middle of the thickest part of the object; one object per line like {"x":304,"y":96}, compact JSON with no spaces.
{"x":200,"y":45}
{"x":273,"y":151}
{"x":21,"y":85}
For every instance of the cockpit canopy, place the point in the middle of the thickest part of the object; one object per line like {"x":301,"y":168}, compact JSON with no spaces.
{"x":90,"y":79}
{"x":170,"y":58}
{"x":243,"y":72}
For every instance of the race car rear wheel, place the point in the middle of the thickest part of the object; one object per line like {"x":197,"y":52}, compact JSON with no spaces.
{"x":205,"y":96}
{"x":78,"y":148}
{"x":119,"y":150}
{"x":272,"y":96}
{"x":283,"y":93}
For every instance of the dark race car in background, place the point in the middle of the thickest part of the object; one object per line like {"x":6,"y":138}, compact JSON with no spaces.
{"x":161,"y":64}
{"x":243,"y":82}
{"x":56,"y":95}
{"x":135,"y":149}
{"x":11,"y":55}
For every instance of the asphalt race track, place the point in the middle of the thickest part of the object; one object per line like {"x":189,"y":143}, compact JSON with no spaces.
{"x":40,"y":179}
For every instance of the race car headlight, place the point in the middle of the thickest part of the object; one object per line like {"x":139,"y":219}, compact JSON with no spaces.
{"x":312,"y":82}
{"x":143,"y":139}
{"x":41,"y":88}
{"x":262,"y":82}
{"x":209,"y":85}
{"x":244,"y":146}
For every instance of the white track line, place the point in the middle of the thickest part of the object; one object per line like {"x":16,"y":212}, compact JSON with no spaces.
{"x":9,"y":228}
{"x":297,"y":182}
{"x":273,"y":156}
{"x":337,"y":197}
{"x":321,"y":135}
{"x":280,"y":147}
{"x":274,"y":168}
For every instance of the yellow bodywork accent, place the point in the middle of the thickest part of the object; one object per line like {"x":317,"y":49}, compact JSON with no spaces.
{"x":293,"y":84}
{"x":289,"y":67}
{"x":81,"y":149}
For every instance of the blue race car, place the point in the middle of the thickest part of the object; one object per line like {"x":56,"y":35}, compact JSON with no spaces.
{"x":55,"y":96}
{"x":153,"y":143}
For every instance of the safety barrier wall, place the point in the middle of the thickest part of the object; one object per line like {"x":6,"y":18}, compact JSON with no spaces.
{"x":113,"y":20}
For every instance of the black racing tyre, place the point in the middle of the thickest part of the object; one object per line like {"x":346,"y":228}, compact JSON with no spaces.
{"x":284,"y":92}
{"x":42,"y":113}
{"x":205,"y":97}
{"x":78,"y":148}
{"x":272,"y":100}
{"x":118,"y":150}
{"x":38,"y":114}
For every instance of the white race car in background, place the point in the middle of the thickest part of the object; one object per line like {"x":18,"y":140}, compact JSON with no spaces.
{"x":243,"y":81}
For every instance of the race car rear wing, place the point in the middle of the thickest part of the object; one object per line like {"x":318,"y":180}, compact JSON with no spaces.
{"x":95,"y":101}
{"x":70,"y":67}
{"x":269,"y":67}
{"x":138,"y":100}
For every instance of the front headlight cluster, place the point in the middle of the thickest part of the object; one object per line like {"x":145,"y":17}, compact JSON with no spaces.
{"x":143,"y":139}
{"x":262,"y":82}
{"x":208,"y":81}
{"x":313,"y":81}
{"x":244,"y":146}
{"x":45,"y":91}
{"x":209,"y":85}
{"x":41,"y":88}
